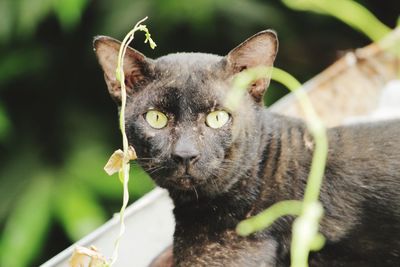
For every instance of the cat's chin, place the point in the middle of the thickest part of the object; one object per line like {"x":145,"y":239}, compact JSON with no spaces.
{"x":187,"y":188}
{"x":185,"y":182}
{"x":178,"y":179}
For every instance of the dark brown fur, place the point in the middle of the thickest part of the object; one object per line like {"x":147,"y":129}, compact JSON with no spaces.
{"x":218,"y":177}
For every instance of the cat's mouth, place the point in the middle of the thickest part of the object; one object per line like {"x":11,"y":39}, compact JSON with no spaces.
{"x":185,"y":182}
{"x":182,"y":177}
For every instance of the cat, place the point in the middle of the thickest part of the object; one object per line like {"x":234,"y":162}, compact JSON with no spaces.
{"x":221,"y":166}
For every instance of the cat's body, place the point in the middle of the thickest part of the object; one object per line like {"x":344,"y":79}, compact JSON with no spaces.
{"x":360,"y":194}
{"x":219,"y":173}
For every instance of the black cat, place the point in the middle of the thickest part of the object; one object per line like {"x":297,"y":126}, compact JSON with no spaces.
{"x":221,"y":166}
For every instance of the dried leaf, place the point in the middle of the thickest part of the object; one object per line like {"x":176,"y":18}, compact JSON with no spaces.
{"x":132,"y":153}
{"x":90,"y":257}
{"x":114,"y":164}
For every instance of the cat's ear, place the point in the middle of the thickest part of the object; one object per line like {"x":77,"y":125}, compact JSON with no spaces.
{"x":137,"y":68}
{"x":258,"y":50}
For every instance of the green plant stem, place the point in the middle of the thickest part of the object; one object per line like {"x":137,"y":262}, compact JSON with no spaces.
{"x":316,"y":128}
{"x":348,"y":11}
{"x":242,"y":81}
{"x":391,"y":42}
{"x":305,"y":236}
{"x":305,"y":227}
{"x":268,"y":216}
{"x":310,"y":211}
{"x":124,"y":172}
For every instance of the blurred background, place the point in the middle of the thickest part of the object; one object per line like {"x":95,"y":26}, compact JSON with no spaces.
{"x":58,"y":125}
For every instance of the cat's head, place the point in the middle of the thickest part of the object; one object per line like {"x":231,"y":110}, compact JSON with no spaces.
{"x":176,"y":115}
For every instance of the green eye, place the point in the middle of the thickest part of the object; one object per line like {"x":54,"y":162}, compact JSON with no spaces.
{"x":156,"y":119}
{"x":217,"y":119}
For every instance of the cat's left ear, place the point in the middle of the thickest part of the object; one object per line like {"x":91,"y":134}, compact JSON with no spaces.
{"x":258,"y":50}
{"x":137,"y":68}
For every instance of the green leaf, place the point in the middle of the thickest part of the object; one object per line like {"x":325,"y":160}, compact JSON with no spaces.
{"x":13,"y":178}
{"x":5,"y":124}
{"x":69,"y":12}
{"x":350,"y":12}
{"x":17,"y":63}
{"x":6,"y":20}
{"x":30,"y":13}
{"x":85,"y":163}
{"x":27,"y":225}
{"x":76,"y":209}
{"x":197,"y":13}
{"x":140,"y":183}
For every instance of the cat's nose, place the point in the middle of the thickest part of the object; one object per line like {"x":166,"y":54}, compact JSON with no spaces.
{"x":188,"y":156}
{"x":185,"y":150}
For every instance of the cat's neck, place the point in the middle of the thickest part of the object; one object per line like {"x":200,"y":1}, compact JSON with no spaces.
{"x":226,"y":209}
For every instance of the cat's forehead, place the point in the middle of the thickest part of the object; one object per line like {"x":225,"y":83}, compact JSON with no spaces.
{"x":188,"y":62}
{"x":181,"y":67}
{"x":192,"y":73}
{"x":187,"y":80}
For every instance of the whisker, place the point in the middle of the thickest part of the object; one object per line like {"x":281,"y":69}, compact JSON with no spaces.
{"x":195,"y":191}
{"x":141,"y":171}
{"x":153,"y":170}
{"x":212,"y":178}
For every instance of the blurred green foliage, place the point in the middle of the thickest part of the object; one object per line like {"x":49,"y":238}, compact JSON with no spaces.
{"x":348,"y":11}
{"x":58,"y":126}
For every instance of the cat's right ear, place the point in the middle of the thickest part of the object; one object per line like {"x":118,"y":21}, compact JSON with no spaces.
{"x":137,"y":68}
{"x":258,"y":50}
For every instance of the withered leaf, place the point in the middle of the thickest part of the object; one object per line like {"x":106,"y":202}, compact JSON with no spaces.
{"x":115,"y":162}
{"x":90,"y":257}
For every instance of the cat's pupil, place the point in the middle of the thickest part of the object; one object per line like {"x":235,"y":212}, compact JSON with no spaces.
{"x":157,"y":116}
